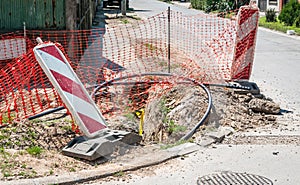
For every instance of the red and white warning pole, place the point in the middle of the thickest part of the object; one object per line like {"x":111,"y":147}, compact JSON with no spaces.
{"x":247,"y":25}
{"x":69,"y":87}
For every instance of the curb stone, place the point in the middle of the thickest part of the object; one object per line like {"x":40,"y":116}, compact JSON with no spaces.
{"x":109,"y":169}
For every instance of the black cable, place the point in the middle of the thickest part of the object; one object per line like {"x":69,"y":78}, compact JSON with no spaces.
{"x":203,"y":119}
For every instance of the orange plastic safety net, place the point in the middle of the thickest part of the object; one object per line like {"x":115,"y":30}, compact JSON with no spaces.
{"x":205,"y":48}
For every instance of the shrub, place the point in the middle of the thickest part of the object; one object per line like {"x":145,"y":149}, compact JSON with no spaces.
{"x":277,"y":26}
{"x":290,"y":13}
{"x":212,"y":5}
{"x":198,"y":4}
{"x":271,"y":15}
{"x":218,"y":5}
{"x":297,"y":21}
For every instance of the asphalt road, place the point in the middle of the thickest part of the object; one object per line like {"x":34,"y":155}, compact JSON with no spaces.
{"x":149,"y":8}
{"x":276,"y":68}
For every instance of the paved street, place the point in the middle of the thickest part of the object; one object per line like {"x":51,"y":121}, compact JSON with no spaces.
{"x":276,"y":68}
{"x":145,"y":8}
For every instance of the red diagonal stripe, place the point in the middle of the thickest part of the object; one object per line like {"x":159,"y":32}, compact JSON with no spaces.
{"x":91,"y":124}
{"x":52,"y":50}
{"x":246,"y":14}
{"x":70,"y":86}
{"x":246,"y":43}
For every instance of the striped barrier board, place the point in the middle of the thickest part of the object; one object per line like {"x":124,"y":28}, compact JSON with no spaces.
{"x":247,"y":25}
{"x":71,"y":90}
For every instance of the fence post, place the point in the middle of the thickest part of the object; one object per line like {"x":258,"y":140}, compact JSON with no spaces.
{"x":123,"y":7}
{"x":169,"y":41}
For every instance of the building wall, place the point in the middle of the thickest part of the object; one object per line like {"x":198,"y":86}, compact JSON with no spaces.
{"x":276,"y":4}
{"x":36,"y":14}
{"x":46,"y":14}
{"x":71,"y":14}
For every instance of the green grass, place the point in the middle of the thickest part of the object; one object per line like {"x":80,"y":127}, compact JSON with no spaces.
{"x":130,"y":116}
{"x":135,"y":17}
{"x":174,"y":128}
{"x":34,"y":150}
{"x":277,"y":26}
{"x":180,"y":142}
{"x":72,"y":169}
{"x":8,"y":119}
{"x":4,"y":153}
{"x":150,"y":46}
{"x":119,"y":174}
{"x":125,"y":21}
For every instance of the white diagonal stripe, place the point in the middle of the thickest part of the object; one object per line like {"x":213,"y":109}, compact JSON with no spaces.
{"x":249,"y":25}
{"x":83,"y":107}
{"x":57,"y":65}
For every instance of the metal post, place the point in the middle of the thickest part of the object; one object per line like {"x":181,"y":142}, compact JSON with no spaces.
{"x":169,"y":42}
{"x":123,"y":7}
{"x":91,"y":13}
{"x":24,"y":29}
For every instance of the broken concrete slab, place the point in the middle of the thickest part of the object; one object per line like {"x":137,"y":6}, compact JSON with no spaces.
{"x":205,"y":141}
{"x":102,"y":145}
{"x":184,"y":149}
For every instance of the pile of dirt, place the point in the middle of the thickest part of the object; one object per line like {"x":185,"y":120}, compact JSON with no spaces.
{"x":172,"y":114}
{"x":169,"y":117}
{"x":242,"y":110}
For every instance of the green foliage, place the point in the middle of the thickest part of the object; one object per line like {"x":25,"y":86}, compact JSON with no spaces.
{"x":7,"y":118}
{"x":125,"y":21}
{"x":271,"y":15}
{"x":3,"y":152}
{"x":277,"y":26}
{"x":217,"y":5}
{"x":290,"y":14}
{"x":72,"y":169}
{"x":34,"y":150}
{"x":150,"y":46}
{"x":180,"y":142}
{"x":130,"y":116}
{"x":51,"y":172}
{"x":297,"y":22}
{"x":212,"y":5}
{"x":173,"y":128}
{"x":199,"y":4}
{"x":119,"y":174}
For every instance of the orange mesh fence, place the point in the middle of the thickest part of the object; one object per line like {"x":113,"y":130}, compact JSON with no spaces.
{"x":206,"y":48}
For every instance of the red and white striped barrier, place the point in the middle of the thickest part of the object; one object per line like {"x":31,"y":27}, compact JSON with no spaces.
{"x":247,"y":25}
{"x":71,"y":90}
